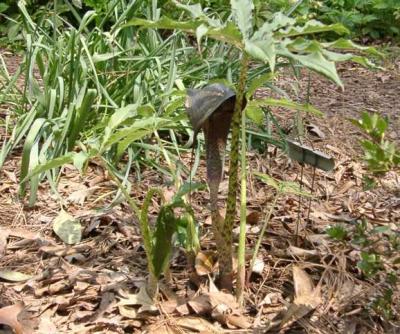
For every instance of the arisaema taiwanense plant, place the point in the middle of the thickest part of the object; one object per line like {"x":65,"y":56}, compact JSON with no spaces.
{"x":279,"y":40}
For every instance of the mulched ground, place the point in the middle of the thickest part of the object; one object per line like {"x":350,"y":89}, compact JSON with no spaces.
{"x":90,"y":287}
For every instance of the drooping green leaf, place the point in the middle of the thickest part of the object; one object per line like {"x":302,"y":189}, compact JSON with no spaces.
{"x":67,"y":228}
{"x":53,"y":163}
{"x":242,"y":11}
{"x":258,"y":82}
{"x":286,"y":104}
{"x":187,"y":188}
{"x":346,"y":44}
{"x":312,"y":27}
{"x":263,"y":50}
{"x":279,"y":20}
{"x":316,"y":62}
{"x":255,"y":113}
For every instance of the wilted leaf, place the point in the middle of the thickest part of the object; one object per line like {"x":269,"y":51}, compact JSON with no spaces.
{"x":204,"y":263}
{"x":67,"y":228}
{"x":14,"y":276}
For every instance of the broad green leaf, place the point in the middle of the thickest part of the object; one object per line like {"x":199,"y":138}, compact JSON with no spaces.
{"x":187,"y":188}
{"x":242,"y":11}
{"x":279,"y":20}
{"x":346,"y":44}
{"x":316,"y":62}
{"x":286,"y":104}
{"x":263,"y":50}
{"x":138,"y":130}
{"x":3,"y":7}
{"x":312,"y":27}
{"x":258,"y":82}
{"x":201,"y":31}
{"x":121,"y":115}
{"x":14,"y":276}
{"x":256,"y":114}
{"x":286,"y":187}
{"x":195,"y":10}
{"x":79,"y":160}
{"x":67,"y":228}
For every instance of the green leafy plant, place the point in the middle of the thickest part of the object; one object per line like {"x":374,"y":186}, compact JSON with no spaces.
{"x":279,"y":36}
{"x":364,"y":237}
{"x":381,"y":155}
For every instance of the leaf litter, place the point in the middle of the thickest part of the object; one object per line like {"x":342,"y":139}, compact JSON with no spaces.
{"x":91,"y":281}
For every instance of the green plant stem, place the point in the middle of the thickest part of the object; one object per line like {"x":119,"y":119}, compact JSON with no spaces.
{"x":264,"y":227}
{"x":141,"y":216}
{"x":226,"y":257}
{"x":243,"y":214}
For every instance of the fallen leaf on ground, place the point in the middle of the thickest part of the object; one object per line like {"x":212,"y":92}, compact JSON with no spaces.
{"x":141,"y":299}
{"x":67,"y":228}
{"x":204,"y":263}
{"x":14,"y":276}
{"x":307,"y":297}
{"x":3,"y":241}
{"x":9,"y":317}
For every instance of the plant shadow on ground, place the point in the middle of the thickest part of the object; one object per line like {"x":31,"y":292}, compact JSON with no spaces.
{"x":76,"y":288}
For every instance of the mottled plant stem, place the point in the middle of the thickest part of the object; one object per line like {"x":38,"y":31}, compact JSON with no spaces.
{"x":241,"y":273}
{"x":226,"y":259}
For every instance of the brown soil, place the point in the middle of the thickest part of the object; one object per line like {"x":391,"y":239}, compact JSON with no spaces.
{"x":76,"y":288}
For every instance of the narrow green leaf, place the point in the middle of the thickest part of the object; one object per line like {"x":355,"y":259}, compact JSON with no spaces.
{"x":53,"y":163}
{"x":30,"y":140}
{"x":286,"y":104}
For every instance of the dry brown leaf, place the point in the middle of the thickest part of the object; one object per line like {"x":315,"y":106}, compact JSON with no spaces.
{"x":301,"y":253}
{"x":253,"y":218}
{"x":307,"y":297}
{"x":141,"y":299}
{"x":9,"y":317}
{"x":204,"y":263}
{"x":3,"y":241}
{"x":196,"y":324}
